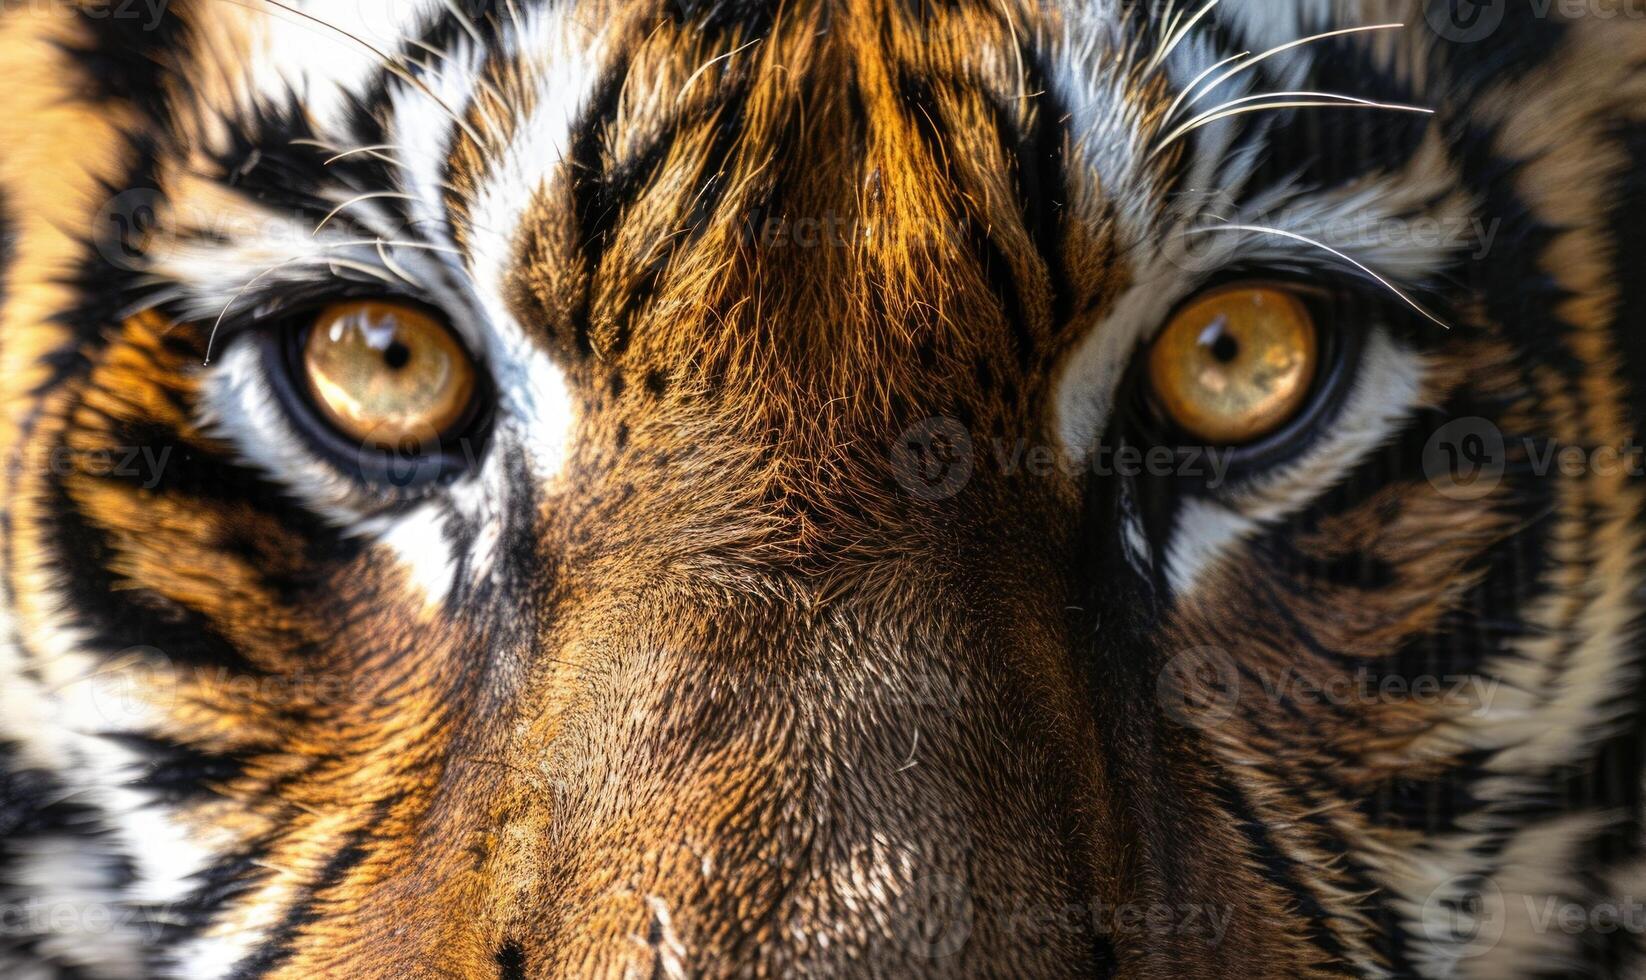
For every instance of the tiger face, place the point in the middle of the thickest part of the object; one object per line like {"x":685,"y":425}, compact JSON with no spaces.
{"x":832,"y":487}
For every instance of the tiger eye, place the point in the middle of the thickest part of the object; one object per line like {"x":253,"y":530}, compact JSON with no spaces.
{"x":1235,"y":365}
{"x":387,"y":374}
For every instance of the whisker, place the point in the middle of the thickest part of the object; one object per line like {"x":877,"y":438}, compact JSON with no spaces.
{"x":1288,"y":46}
{"x":710,"y":64}
{"x":375,"y":152}
{"x":1336,"y":102}
{"x":390,"y":264}
{"x":357,"y":199}
{"x":211,"y":339}
{"x":1175,"y":39}
{"x":463,"y":19}
{"x":1017,"y":47}
{"x":334,"y":264}
{"x":445,"y":60}
{"x":1363,"y":267}
{"x":1177,"y":103}
{"x":514,"y":15}
{"x":390,"y":63}
{"x":1173,"y":17}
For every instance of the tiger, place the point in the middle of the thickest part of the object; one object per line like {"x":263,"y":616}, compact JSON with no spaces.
{"x":698,"y":488}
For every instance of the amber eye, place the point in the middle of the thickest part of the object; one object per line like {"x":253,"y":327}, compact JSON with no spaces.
{"x":387,"y":374}
{"x":1235,"y":365}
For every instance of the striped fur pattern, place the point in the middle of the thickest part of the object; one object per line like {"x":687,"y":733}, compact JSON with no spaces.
{"x":682,"y":674}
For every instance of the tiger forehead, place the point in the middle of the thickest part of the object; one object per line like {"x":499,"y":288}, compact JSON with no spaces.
{"x":914,"y":150}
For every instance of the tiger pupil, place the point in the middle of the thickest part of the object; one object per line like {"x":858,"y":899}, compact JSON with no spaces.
{"x":1223,"y":345}
{"x":1235,"y":364}
{"x":381,"y":372}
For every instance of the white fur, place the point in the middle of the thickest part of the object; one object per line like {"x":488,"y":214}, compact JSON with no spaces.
{"x":1388,"y":389}
{"x":335,"y":50}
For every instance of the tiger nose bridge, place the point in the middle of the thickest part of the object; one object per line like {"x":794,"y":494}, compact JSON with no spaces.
{"x":744,"y":786}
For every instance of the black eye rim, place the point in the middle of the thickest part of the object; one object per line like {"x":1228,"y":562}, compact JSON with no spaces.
{"x":459,"y":448}
{"x":1342,"y":332}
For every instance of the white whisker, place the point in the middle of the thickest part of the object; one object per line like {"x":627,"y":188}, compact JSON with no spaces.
{"x":710,"y":64}
{"x":1294,"y":236}
{"x":1175,"y":39}
{"x":375,"y":152}
{"x":390,"y":264}
{"x":1172,"y":15}
{"x":1283,"y":48}
{"x":390,"y":63}
{"x":1177,"y":103}
{"x":463,"y":19}
{"x":1017,"y":48}
{"x":357,"y":199}
{"x":1337,"y":102}
{"x":335,"y":264}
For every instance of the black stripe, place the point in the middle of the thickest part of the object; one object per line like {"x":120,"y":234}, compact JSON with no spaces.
{"x":116,"y":616}
{"x":1326,"y":148}
{"x":266,"y":158}
{"x":125,"y":56}
{"x":214,"y":888}
{"x":601,"y":195}
{"x":595,"y":210}
{"x":280,"y":943}
{"x":178,"y":773}
{"x":1041,"y":179}
{"x":1628,"y":226}
{"x":1280,"y":871}
{"x":997,"y":272}
{"x":1469,"y":59}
